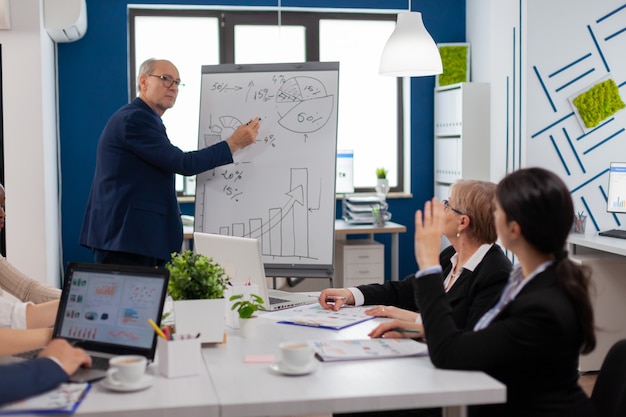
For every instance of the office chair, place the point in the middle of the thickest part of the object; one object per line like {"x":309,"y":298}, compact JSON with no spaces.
{"x":609,"y":392}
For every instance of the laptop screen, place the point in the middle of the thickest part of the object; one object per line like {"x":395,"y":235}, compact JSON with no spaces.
{"x":105,"y":308}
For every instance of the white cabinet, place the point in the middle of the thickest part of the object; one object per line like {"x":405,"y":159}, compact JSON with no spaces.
{"x":461,"y":134}
{"x":358,"y":261}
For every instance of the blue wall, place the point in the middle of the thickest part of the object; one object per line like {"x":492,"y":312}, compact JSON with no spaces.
{"x":93,"y":83}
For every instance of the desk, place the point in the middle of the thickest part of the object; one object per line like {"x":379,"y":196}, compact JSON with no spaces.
{"x":343,"y":229}
{"x":229,"y":388}
{"x":182,"y":397}
{"x":250,"y":390}
{"x":606,"y":256}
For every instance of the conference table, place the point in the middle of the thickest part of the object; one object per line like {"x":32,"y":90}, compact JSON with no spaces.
{"x":229,"y":387}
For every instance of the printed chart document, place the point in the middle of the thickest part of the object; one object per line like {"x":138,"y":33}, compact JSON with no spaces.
{"x":313,"y":315}
{"x":345,"y":350}
{"x":64,"y":399}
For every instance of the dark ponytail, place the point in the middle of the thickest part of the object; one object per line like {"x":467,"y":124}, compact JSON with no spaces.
{"x":541,"y":204}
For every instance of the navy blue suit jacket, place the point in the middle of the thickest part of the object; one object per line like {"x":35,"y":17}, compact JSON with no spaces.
{"x":27,"y":378}
{"x":132,"y":206}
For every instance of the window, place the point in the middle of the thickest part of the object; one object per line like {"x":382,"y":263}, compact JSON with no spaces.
{"x":371,"y":108}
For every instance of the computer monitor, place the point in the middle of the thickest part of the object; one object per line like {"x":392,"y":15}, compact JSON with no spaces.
{"x":617,"y":188}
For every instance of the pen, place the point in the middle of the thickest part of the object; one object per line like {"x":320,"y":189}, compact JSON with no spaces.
{"x":166,"y":331}
{"x":406,"y":331}
{"x":332,"y":298}
{"x":156,"y":329}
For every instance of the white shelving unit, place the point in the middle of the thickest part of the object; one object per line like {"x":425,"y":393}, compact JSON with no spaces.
{"x":359,"y":261}
{"x":461,"y":134}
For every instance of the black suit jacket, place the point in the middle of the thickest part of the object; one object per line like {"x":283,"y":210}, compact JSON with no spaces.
{"x":470,"y":297}
{"x":532,"y":346}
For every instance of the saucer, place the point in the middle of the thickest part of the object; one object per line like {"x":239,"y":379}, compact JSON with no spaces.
{"x":280,"y":368}
{"x":145,"y":382}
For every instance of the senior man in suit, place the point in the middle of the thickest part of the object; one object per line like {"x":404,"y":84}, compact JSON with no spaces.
{"x":132,"y":216}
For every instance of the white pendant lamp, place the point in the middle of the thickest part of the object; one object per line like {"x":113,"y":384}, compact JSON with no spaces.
{"x":410,"y":50}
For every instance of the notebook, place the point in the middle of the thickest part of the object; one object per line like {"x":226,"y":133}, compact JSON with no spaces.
{"x":241,"y":258}
{"x":104,"y":309}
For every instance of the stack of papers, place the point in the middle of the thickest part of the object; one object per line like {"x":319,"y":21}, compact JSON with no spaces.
{"x":344,"y":350}
{"x":64,"y":399}
{"x":314,"y":315}
{"x":358,"y":208}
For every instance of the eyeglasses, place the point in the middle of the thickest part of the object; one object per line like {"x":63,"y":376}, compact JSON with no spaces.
{"x":168,"y":81}
{"x":447,"y":205}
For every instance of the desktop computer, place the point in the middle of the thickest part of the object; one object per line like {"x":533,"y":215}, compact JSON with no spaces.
{"x":617,"y":196}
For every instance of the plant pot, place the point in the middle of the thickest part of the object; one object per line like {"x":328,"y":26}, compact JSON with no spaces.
{"x":382,"y":186}
{"x":201,"y":316}
{"x":247,"y":327}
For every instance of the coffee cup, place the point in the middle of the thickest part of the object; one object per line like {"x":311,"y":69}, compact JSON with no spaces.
{"x":296,"y":355}
{"x":126,"y":369}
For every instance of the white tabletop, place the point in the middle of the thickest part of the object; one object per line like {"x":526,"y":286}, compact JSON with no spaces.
{"x":228,"y":387}
{"x":181,"y":397}
{"x":601,"y":243}
{"x":246,"y":390}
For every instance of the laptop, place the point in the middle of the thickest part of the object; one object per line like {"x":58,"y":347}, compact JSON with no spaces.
{"x":242,"y":260}
{"x":104,"y":309}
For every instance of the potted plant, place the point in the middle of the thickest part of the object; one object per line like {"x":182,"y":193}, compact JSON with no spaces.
{"x":382,"y":183}
{"x":246,"y":306}
{"x":197,"y":285}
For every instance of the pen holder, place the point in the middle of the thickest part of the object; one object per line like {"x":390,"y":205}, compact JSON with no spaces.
{"x":579,"y":224}
{"x":179,"y":357}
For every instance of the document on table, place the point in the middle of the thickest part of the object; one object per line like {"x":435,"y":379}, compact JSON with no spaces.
{"x":64,"y":399}
{"x":313,"y":315}
{"x":345,"y":350}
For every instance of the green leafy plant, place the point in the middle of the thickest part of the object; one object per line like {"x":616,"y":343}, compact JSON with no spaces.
{"x":195,"y":277}
{"x":454,"y":58}
{"x":246,"y":307}
{"x":598,"y":103}
{"x":381,"y":173}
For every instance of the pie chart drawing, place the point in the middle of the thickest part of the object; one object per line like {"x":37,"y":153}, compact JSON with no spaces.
{"x":303,"y":105}
{"x":222,"y":130}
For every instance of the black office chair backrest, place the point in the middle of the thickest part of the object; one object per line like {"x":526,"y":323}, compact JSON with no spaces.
{"x":609,"y":391}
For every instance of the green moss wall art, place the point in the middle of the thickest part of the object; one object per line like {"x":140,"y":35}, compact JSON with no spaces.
{"x":455,"y":60}
{"x":598,"y":103}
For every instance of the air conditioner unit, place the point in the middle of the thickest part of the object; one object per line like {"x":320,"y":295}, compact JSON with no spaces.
{"x":65,"y":20}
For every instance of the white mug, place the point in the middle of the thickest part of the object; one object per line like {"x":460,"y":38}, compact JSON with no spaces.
{"x":126,"y":369}
{"x":296,"y":355}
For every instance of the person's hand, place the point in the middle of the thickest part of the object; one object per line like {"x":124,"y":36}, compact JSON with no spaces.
{"x":327,"y":294}
{"x":70,"y":357}
{"x":244,"y":135}
{"x":428,"y":230}
{"x":392,"y":313}
{"x":397,"y":329}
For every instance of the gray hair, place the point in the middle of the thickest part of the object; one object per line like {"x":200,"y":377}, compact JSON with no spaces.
{"x":146,"y":68}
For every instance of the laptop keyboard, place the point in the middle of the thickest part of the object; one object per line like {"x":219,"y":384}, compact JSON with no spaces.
{"x":276,"y":300}
{"x":97,"y":362}
{"x":621,"y":234}
{"x":29,"y":354}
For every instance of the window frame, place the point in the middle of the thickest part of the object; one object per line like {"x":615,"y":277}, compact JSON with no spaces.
{"x":308,"y":18}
